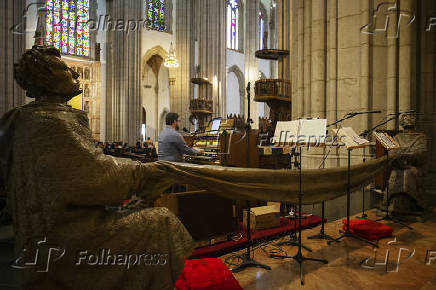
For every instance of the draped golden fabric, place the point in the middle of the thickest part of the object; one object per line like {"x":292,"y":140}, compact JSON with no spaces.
{"x":273,"y":185}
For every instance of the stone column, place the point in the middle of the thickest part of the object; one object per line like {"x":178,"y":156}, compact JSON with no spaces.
{"x":123,"y":85}
{"x":307,"y":40}
{"x":250,"y":47}
{"x":182,"y":89}
{"x":12,"y":36}
{"x":332,"y":62}
{"x":297,"y":58}
{"x":318,"y":59}
{"x":364,"y":64}
{"x":284,"y":37}
{"x":391,"y":74}
{"x":407,"y":63}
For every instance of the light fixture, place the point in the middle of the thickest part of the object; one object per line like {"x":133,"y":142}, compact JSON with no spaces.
{"x":171,"y":60}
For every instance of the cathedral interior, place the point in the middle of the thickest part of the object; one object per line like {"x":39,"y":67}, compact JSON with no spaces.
{"x":235,"y":144}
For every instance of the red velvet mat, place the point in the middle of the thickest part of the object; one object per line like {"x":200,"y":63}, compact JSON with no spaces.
{"x":206,"y":274}
{"x":368,"y":229}
{"x":286,"y":226}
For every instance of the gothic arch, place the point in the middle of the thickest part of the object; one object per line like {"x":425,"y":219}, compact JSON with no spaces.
{"x":241,"y":80}
{"x":157,"y":50}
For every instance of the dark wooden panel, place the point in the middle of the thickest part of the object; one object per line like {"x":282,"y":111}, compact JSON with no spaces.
{"x":203,"y":214}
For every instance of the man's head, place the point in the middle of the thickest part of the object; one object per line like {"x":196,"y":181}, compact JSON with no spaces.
{"x":42,"y":73}
{"x":172,"y":119}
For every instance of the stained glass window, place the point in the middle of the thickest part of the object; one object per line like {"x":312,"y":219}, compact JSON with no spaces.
{"x":156,"y":16}
{"x":232,"y":24}
{"x":261,"y":30}
{"x":66,"y":26}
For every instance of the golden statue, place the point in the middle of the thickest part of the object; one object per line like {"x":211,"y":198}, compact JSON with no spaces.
{"x":58,"y":185}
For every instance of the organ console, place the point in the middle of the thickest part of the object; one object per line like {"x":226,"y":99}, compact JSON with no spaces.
{"x":224,"y":144}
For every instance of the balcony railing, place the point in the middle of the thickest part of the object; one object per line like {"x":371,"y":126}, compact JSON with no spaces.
{"x":201,"y":106}
{"x":272,"y":89}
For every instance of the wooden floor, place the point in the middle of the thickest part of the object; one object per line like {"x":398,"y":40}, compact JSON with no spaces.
{"x":345,"y":269}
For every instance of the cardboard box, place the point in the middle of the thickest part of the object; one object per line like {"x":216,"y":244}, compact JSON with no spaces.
{"x":263,"y":217}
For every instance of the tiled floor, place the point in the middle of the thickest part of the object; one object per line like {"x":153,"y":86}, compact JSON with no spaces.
{"x":345,"y":269}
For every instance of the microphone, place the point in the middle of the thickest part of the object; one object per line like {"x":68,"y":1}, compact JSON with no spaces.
{"x":367,"y":112}
{"x":185,"y":130}
{"x":399,"y":113}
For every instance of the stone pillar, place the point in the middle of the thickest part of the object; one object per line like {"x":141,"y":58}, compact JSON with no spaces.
{"x":307,"y":40}
{"x":364,"y":64}
{"x":296,"y":55}
{"x":182,"y":89}
{"x":407,"y":61}
{"x":251,"y":41}
{"x":12,"y":36}
{"x":391,"y":74}
{"x":318,"y":59}
{"x":332,"y":62}
{"x":284,"y":37}
{"x":123,"y":85}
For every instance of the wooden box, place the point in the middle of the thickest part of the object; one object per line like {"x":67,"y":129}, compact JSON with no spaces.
{"x":263,"y":217}
{"x":204,"y":215}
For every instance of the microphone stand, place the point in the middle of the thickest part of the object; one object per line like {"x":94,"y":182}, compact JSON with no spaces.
{"x":299,"y":258}
{"x":364,"y":215}
{"x":387,"y":216}
{"x":322,"y":235}
{"x":293,"y":239}
{"x":247,"y":261}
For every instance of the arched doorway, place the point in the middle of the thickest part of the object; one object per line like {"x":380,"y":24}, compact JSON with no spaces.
{"x":156,"y":97}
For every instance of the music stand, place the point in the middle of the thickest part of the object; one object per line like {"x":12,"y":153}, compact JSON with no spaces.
{"x":293,"y":239}
{"x":247,"y":261}
{"x":352,"y":141}
{"x":388,"y":143}
{"x":299,"y":258}
{"x":322,"y":235}
{"x":364,"y":215}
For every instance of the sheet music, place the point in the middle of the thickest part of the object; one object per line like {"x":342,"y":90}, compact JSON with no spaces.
{"x":286,"y":131}
{"x":349,"y":137}
{"x":302,"y":131}
{"x":385,"y":140}
{"x":314,"y":127}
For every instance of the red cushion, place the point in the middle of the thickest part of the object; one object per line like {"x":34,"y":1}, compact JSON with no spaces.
{"x":368,"y":229}
{"x":209,"y":273}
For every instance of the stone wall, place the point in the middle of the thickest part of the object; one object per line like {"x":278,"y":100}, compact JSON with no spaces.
{"x":12,"y":37}
{"x":344,"y":59}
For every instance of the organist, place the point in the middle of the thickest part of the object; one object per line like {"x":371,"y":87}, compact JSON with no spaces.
{"x":172,"y":146}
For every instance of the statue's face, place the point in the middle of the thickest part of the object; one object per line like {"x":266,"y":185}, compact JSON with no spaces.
{"x":65,"y":80}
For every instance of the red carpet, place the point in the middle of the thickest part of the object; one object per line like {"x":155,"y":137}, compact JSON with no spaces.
{"x":286,"y":226}
{"x":206,"y":274}
{"x":368,"y":229}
